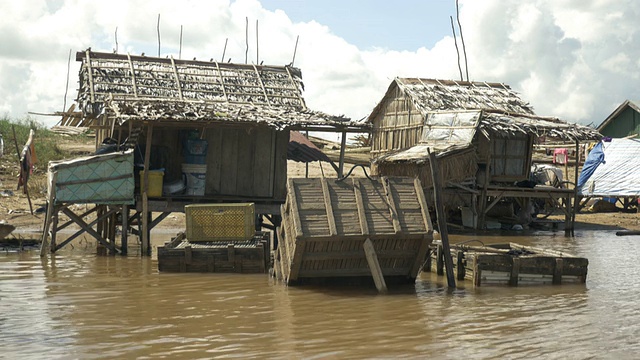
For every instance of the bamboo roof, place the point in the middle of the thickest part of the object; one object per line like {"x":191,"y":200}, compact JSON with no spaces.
{"x":141,"y":88}
{"x":430,"y":95}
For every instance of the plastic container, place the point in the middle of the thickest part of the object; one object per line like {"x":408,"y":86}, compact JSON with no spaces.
{"x":195,"y":159}
{"x":469,"y":219}
{"x":195,"y":147}
{"x":155,"y":182}
{"x":196,"y":176}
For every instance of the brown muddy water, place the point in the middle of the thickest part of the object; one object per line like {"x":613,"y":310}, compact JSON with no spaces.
{"x":76,"y":305}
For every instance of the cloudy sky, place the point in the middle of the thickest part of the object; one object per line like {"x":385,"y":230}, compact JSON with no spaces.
{"x":574,"y":59}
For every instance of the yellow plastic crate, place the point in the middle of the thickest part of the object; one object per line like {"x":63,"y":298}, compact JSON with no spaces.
{"x":215,"y":222}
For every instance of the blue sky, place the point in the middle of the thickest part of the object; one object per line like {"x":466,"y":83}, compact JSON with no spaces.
{"x":393,"y":25}
{"x":576,"y":60}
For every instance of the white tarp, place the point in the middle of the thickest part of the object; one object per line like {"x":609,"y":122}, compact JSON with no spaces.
{"x":619,"y":175}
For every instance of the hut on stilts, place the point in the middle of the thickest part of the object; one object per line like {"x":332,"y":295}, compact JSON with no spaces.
{"x":223,"y":126}
{"x":483,"y":136}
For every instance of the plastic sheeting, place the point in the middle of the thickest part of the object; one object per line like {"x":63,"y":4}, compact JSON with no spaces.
{"x":615,"y":172}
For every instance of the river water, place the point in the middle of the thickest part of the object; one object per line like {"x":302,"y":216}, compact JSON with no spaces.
{"x":79,"y":305}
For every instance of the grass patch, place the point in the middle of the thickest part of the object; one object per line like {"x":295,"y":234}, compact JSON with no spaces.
{"x":47,"y":143}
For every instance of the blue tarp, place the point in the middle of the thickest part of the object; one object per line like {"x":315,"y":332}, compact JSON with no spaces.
{"x":595,"y":158}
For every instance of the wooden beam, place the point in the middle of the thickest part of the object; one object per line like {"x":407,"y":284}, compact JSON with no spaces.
{"x":133,"y":76}
{"x":362,"y":215}
{"x":392,"y":205}
{"x":329,"y":207}
{"x":295,"y":213}
{"x":175,"y":73}
{"x":343,"y":145}
{"x":374,"y":266}
{"x":424,"y":208}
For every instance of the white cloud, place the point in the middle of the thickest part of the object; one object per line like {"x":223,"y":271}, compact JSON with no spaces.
{"x":575,"y":59}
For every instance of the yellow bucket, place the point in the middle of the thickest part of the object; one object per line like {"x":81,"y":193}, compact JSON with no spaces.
{"x":155,"y":183}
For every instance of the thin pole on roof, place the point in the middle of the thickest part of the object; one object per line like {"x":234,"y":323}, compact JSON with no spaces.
{"x":455,"y":41}
{"x":246,"y":39}
{"x":66,"y":88}
{"x":180,"y":51}
{"x":158,"y":28}
{"x":295,"y":50}
{"x":464,"y":49}
{"x":225,"y":49}
{"x":257,"y":45}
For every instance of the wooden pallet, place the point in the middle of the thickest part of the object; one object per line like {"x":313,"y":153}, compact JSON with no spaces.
{"x":249,"y":256}
{"x":510,"y":265}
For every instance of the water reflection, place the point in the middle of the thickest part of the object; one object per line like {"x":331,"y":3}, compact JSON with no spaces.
{"x":78,"y":305}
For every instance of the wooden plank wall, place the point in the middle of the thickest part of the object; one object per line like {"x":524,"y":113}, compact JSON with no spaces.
{"x":247,"y":162}
{"x":398,"y":127}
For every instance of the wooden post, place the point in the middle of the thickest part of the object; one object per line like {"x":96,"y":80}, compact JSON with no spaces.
{"x":343,"y":144}
{"x":125,"y":229}
{"x":146,"y":248}
{"x":515,"y":271}
{"x":442,"y":219}
{"x":47,"y":217}
{"x":460,"y":265}
{"x":568,"y":231}
{"x":374,"y":266}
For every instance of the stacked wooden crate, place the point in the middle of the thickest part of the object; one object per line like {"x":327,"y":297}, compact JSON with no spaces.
{"x":353,"y":227}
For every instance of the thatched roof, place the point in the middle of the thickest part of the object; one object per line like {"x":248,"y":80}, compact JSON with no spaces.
{"x":430,"y":95}
{"x":141,"y":88}
{"x":449,"y":132}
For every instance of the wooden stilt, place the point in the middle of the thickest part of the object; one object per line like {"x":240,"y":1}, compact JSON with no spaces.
{"x":374,"y":266}
{"x":442,"y":219}
{"x":125,"y":229}
{"x":146,"y":248}
{"x":50,"y":208}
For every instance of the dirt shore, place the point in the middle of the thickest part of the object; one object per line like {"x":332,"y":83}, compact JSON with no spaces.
{"x":15,"y":208}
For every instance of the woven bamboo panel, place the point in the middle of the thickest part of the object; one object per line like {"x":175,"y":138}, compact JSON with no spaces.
{"x":218,"y":222}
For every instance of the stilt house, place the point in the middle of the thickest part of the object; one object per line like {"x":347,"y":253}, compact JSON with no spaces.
{"x":481,"y":133}
{"x":241,"y":112}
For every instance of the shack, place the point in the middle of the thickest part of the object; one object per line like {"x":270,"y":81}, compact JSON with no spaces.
{"x":222,"y":126}
{"x":624,"y":121}
{"x":483,"y":136}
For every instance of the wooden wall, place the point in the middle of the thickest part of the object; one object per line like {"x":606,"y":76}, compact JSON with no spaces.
{"x":398,"y":125}
{"x":248,"y":161}
{"x":625,"y":124}
{"x":509,"y":157}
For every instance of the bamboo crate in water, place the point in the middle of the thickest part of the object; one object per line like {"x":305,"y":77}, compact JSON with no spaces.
{"x":510,"y":264}
{"x":242,"y":256}
{"x":330,"y":227}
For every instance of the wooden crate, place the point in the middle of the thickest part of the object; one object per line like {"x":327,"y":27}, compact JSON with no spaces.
{"x":510,"y":265}
{"x":220,"y":222}
{"x":331,"y":228}
{"x":248,"y":256}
